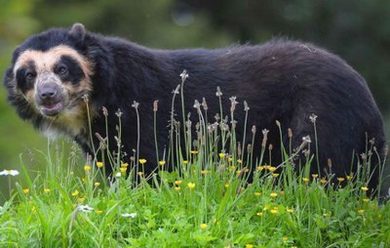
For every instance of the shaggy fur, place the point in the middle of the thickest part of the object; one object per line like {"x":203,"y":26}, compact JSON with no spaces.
{"x":281,"y":80}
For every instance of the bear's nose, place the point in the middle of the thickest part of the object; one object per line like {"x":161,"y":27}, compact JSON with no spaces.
{"x":47,"y":91}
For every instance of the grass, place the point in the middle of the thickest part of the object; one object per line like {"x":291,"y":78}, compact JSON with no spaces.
{"x":207,"y":200}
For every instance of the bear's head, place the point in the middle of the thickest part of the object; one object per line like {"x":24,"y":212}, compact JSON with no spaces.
{"x":50,"y":75}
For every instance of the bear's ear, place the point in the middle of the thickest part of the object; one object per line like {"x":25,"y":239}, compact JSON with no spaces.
{"x":78,"y":31}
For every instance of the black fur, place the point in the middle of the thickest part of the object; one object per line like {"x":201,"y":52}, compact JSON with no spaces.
{"x":281,"y":80}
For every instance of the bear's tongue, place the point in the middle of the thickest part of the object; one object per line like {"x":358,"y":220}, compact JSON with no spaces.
{"x":51,"y":109}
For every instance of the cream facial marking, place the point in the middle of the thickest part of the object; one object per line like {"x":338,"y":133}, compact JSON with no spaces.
{"x":45,"y":61}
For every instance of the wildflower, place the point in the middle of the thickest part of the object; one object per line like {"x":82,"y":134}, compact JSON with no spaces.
{"x":275,"y":174}
{"x":219,"y":92}
{"x":124,"y":165}
{"x":227,"y":185}
{"x":257,"y":193}
{"x":285,"y":239}
{"x":274,"y":194}
{"x":221,"y":155}
{"x":97,"y":211}
{"x":323,"y":180}
{"x":366,"y":200}
{"x":364,"y":188}
{"x":118,"y":174}
{"x":99,"y":164}
{"x":239,"y":161}
{"x":81,"y":199}
{"x":289,"y":210}
{"x":360,"y":211}
{"x":194,"y":152}
{"x":184,"y":75}
{"x":349,"y":177}
{"x":177,"y":188}
{"x":340,"y":179}
{"x":249,"y":246}
{"x":178,"y":182}
{"x":203,"y":226}
{"x":314,"y":175}
{"x":260,"y":168}
{"x":305,"y":180}
{"x":313,"y":118}
{"x":46,"y":190}
{"x":161,"y":162}
{"x":129,"y":215}
{"x":232,"y":168}
{"x":97,"y":184}
{"x":140,"y":173}
{"x":9,"y":173}
{"x":75,"y":193}
{"x":185,"y":161}
{"x":123,"y":170}
{"x":204,"y":172}
{"x":84,"y":208}
{"x":87,"y":168}
{"x":26,"y":190}
{"x":191,"y":185}
{"x":259,"y":213}
{"x":230,"y":159}
{"x":272,"y":168}
{"x":142,"y":161}
{"x":274,"y":210}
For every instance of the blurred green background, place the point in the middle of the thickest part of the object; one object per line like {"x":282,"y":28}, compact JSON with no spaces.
{"x":359,"y":31}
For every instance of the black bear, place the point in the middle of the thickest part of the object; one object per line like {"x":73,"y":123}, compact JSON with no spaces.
{"x":282,"y":80}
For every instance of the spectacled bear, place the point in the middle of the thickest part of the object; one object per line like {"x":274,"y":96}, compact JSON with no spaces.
{"x":281,"y":80}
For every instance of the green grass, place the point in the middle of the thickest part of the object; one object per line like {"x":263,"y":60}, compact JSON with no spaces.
{"x":205,"y":201}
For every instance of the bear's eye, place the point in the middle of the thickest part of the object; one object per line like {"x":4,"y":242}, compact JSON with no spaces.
{"x":30,"y":75}
{"x":62,"y":70}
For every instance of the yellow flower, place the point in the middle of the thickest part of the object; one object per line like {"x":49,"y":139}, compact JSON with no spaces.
{"x":227,"y":185}
{"x":230,"y":159}
{"x":260,"y":168}
{"x":161,"y":162}
{"x":259,"y":213}
{"x":97,"y":184}
{"x":99,"y":164}
{"x":257,"y":193}
{"x":364,"y":188}
{"x":274,"y":194}
{"x":314,"y":175}
{"x":203,"y":226}
{"x":191,"y":185}
{"x":366,"y":200}
{"x":177,"y":188}
{"x":185,"y":161}
{"x":204,"y":172}
{"x":97,"y":211}
{"x":360,"y":211}
{"x":194,"y":152}
{"x":142,"y":161}
{"x":46,"y":190}
{"x":305,"y":180}
{"x":275,"y":174}
{"x":26,"y":190}
{"x":289,"y":210}
{"x":249,"y":246}
{"x":123,"y":170}
{"x":323,"y":180}
{"x":75,"y":193}
{"x":340,"y":179}
{"x":274,"y":211}
{"x":178,"y":182}
{"x":272,"y":168}
{"x":232,"y":168}
{"x":87,"y":168}
{"x":239,"y":161}
{"x":221,"y":155}
{"x":285,"y":239}
{"x":80,"y":199}
{"x":124,"y":165}
{"x":349,"y":177}
{"x":140,"y":173}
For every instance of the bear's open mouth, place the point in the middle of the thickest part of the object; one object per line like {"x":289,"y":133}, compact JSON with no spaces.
{"x":51,"y":109}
